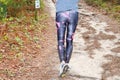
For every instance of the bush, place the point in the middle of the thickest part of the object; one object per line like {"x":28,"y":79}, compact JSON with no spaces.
{"x":3,"y":10}
{"x":113,"y":1}
{"x":17,"y":8}
{"x":110,"y":6}
{"x":14,"y":7}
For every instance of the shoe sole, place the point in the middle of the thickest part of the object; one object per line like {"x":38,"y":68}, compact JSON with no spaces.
{"x":65,"y":69}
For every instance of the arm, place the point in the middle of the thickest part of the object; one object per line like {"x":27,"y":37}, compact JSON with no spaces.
{"x":54,"y":1}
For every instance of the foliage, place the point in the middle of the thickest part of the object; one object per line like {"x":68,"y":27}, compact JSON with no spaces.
{"x":112,"y":7}
{"x":17,"y":8}
{"x":112,"y":1}
{"x":3,"y":10}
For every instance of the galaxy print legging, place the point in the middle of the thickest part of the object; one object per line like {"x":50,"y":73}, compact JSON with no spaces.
{"x":66,"y":22}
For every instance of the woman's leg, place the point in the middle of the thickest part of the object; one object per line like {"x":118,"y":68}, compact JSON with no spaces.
{"x":61,"y":28}
{"x":73,"y":20}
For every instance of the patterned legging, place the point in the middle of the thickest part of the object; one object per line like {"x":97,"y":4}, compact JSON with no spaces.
{"x":66,"y":21}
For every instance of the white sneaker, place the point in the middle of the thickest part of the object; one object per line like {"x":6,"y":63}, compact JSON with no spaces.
{"x":63,"y":68}
{"x":62,"y":64}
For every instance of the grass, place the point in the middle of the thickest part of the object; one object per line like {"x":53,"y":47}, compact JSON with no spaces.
{"x":110,"y":8}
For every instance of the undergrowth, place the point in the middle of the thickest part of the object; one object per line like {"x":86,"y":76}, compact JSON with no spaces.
{"x":111,"y":7}
{"x":17,"y":8}
{"x":20,"y":36}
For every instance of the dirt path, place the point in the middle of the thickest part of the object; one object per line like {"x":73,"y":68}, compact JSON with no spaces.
{"x":96,"y":51}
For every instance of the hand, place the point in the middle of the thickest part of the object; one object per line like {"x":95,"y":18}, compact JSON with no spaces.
{"x":54,"y":1}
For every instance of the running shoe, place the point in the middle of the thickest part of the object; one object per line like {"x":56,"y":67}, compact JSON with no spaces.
{"x":63,"y":69}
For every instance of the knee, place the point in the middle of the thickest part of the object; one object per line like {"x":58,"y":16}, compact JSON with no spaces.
{"x":69,"y":41}
{"x":70,"y":37}
{"x":61,"y":42}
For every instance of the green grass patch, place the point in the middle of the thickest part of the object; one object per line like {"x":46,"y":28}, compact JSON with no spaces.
{"x":111,"y":7}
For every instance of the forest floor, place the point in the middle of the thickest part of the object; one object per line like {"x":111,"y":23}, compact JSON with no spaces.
{"x":96,"y":52}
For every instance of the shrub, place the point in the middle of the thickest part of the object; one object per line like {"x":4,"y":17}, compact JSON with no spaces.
{"x":17,"y":8}
{"x":3,"y":10}
{"x":110,"y":6}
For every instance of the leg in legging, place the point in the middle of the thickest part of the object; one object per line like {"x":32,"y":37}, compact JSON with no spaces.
{"x":70,"y":32}
{"x":61,"y":28}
